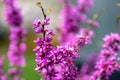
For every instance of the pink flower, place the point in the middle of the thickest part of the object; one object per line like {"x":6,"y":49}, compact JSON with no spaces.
{"x":108,"y":63}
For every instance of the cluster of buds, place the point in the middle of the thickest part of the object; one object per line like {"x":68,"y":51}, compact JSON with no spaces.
{"x":55,"y":63}
{"x":17,"y":46}
{"x":108,"y":62}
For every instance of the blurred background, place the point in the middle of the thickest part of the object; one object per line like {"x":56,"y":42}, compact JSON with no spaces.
{"x":30,"y":12}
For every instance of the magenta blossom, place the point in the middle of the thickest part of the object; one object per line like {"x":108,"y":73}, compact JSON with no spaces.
{"x":108,"y":62}
{"x":49,"y":58}
{"x":112,"y":41}
{"x":85,"y":5}
{"x":17,"y":46}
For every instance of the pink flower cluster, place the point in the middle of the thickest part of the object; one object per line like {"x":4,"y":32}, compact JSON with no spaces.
{"x":108,"y":62}
{"x":54,"y":63}
{"x":15,"y":73}
{"x":17,"y":48}
{"x":13,"y":14}
{"x":17,"y":45}
{"x":112,"y":41}
{"x":72,"y":23}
